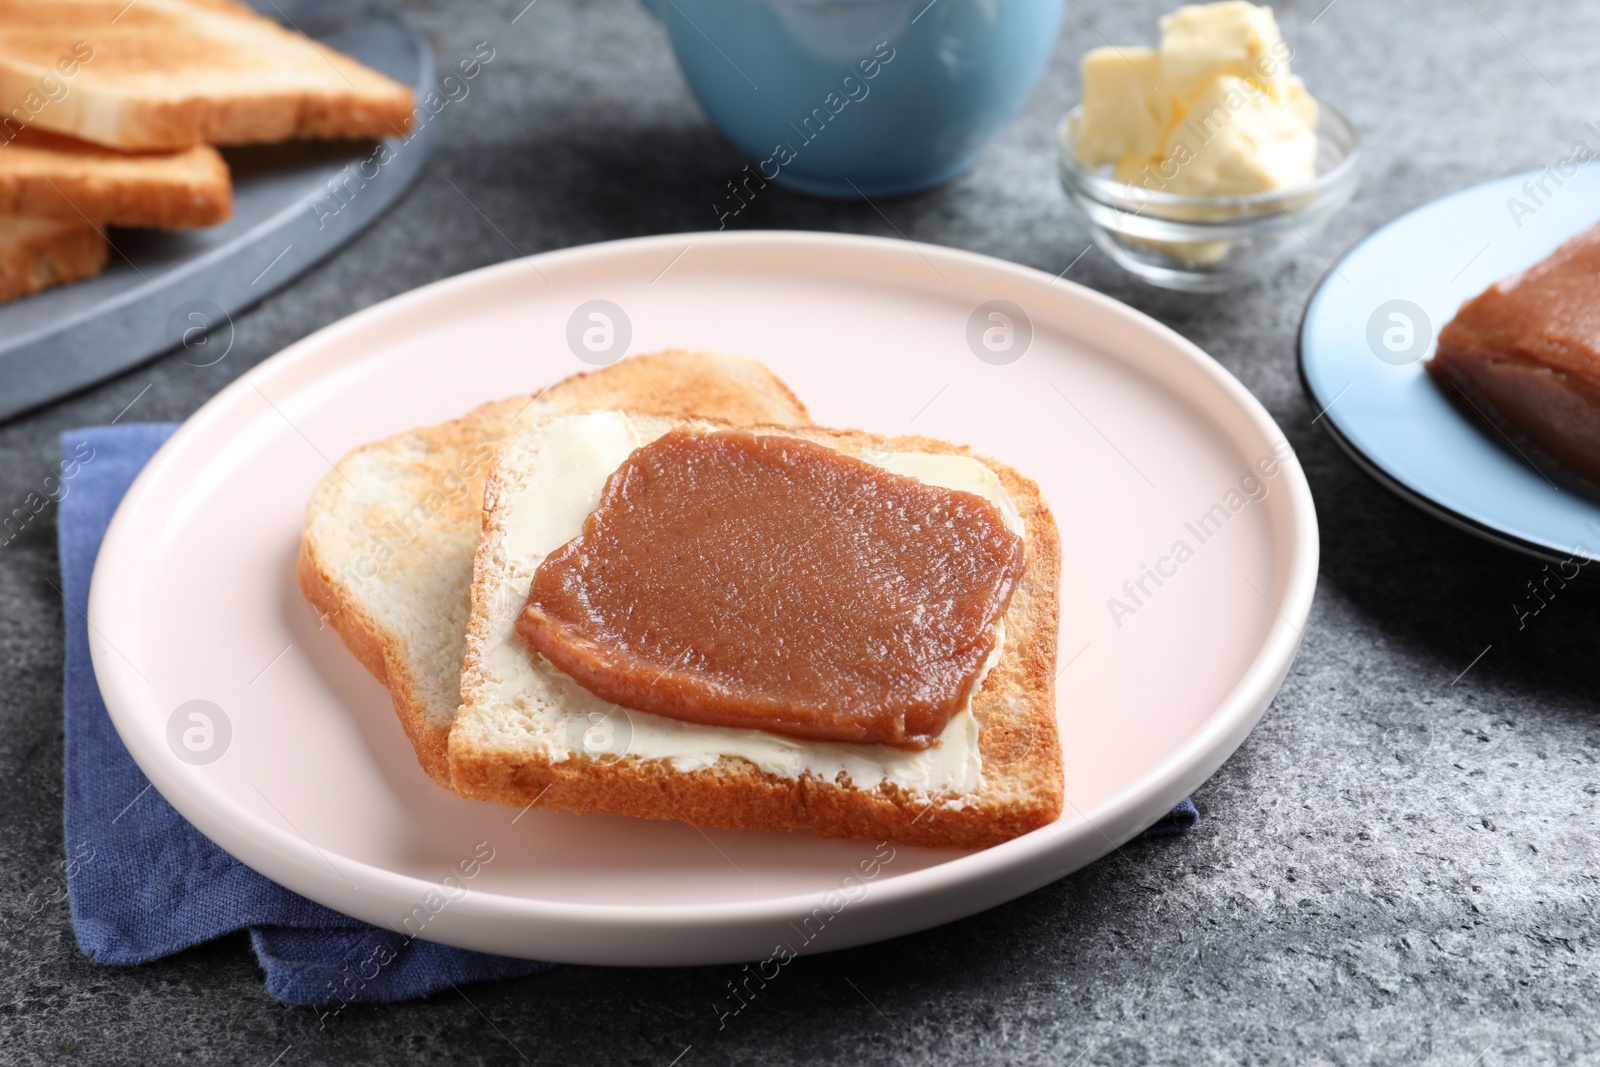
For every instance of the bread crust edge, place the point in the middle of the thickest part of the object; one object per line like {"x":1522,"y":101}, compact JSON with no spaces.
{"x":366,"y":640}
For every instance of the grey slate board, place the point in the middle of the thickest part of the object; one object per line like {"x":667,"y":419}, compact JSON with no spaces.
{"x":293,"y":205}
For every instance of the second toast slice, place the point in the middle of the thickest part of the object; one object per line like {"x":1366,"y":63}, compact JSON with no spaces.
{"x":387,"y":550}
{"x":52,"y":176}
{"x":36,"y":253}
{"x":170,"y":74}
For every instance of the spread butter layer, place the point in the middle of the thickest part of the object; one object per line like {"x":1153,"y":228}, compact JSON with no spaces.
{"x":766,"y":582}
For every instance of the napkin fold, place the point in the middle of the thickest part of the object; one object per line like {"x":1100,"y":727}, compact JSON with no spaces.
{"x":142,"y":882}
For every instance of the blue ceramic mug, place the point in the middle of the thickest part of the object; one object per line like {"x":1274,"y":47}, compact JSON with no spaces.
{"x":850,"y":98}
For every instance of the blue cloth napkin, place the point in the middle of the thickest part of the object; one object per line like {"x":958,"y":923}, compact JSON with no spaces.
{"x":143,"y":883}
{"x":1180,"y":820}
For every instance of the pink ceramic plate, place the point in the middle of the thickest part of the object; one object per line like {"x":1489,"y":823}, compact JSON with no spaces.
{"x":1140,"y":442}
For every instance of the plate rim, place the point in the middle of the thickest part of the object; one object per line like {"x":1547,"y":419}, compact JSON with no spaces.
{"x":1371,"y":465}
{"x":1037,"y":858}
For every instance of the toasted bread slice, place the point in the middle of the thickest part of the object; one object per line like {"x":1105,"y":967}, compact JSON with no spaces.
{"x":170,"y":74}
{"x":35,"y":253}
{"x":528,"y":735}
{"x":390,"y":533}
{"x":58,"y":177}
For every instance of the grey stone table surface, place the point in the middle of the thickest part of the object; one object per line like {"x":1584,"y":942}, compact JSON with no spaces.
{"x":1398,"y":866}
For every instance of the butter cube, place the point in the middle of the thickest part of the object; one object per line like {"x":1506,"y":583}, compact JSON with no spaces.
{"x":1302,"y":103}
{"x":1126,"y":112}
{"x":1237,"y":141}
{"x":1202,"y":41}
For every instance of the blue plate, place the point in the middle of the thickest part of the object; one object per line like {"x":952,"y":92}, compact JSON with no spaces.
{"x":1371,"y":324}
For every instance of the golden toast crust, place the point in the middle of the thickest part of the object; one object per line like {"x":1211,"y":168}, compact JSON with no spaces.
{"x":170,"y":74}
{"x":52,"y":176}
{"x":35,"y":253}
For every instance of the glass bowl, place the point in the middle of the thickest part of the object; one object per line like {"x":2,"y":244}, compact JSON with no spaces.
{"x":1207,"y":244}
